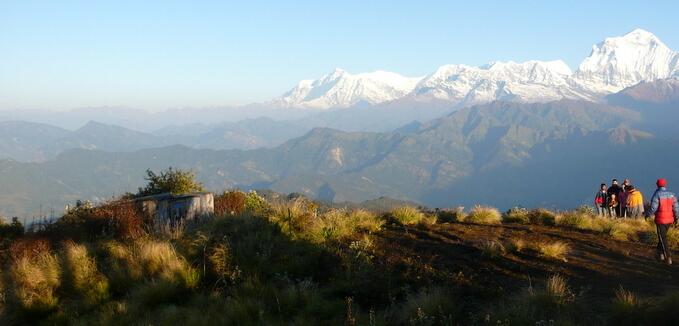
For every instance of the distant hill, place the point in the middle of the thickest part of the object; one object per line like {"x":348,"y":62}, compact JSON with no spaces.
{"x":500,"y":153}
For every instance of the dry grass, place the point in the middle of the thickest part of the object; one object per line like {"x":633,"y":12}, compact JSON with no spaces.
{"x":408,"y":215}
{"x":542,"y":216}
{"x":484,"y":215}
{"x":557,"y":288}
{"x":159,"y":259}
{"x":338,"y":224}
{"x":516,"y":215}
{"x":81,"y":270}
{"x":625,"y":298}
{"x":35,"y":279}
{"x":553,"y":250}
{"x":492,"y":249}
{"x":517,"y":244}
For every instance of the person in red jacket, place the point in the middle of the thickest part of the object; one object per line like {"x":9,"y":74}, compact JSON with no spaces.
{"x":666,"y":209}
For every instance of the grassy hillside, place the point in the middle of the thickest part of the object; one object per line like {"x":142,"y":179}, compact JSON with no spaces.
{"x":294,"y":261}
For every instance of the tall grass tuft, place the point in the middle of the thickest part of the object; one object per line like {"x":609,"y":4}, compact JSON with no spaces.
{"x":428,"y":306}
{"x":85,"y":281}
{"x":409,"y":215}
{"x":484,"y":215}
{"x":553,"y":250}
{"x":34,"y":280}
{"x":541,"y":216}
{"x":492,"y":249}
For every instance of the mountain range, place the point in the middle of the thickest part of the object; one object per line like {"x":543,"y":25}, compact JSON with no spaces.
{"x":614,"y":64}
{"x":505,"y":134}
{"x":502,"y":153}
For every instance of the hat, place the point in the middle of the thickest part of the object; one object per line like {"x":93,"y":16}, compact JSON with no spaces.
{"x":661,"y":182}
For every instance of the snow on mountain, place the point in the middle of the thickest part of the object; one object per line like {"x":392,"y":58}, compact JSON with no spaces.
{"x":531,"y":81}
{"x":341,"y":89}
{"x":623,"y":61}
{"x":614,"y":64}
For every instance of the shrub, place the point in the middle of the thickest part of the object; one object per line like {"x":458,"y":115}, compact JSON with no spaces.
{"x":255,"y":203}
{"x":408,"y":215}
{"x":542,"y":216}
{"x":174,"y":181}
{"x":451,"y":215}
{"x":516,"y":215}
{"x":80,"y":269}
{"x":12,"y":230}
{"x":554,"y":250}
{"x":484,"y":215}
{"x":230,"y":202}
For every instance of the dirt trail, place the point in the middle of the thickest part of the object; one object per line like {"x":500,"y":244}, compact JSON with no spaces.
{"x":595,"y":266}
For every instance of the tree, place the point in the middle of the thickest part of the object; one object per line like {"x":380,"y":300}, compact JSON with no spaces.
{"x":175,"y":181}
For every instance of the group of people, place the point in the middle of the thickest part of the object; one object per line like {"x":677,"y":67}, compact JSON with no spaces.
{"x":626,"y":201}
{"x":619,"y":201}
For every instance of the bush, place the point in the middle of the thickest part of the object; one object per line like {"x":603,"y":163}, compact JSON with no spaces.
{"x":484,"y":215}
{"x":516,"y":215}
{"x":174,"y":181}
{"x":230,"y":202}
{"x":255,"y":203}
{"x":542,"y":216}
{"x":408,"y":215}
{"x":13,"y":230}
{"x":447,"y":215}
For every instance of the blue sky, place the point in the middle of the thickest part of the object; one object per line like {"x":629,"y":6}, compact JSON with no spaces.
{"x":174,"y":54}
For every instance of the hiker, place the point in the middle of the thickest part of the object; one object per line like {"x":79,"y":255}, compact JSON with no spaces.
{"x":614,"y":197}
{"x":601,"y":201}
{"x":665,"y":208}
{"x":634,"y":203}
{"x":623,"y":198}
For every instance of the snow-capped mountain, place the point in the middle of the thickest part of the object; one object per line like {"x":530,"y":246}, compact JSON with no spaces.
{"x":341,"y":89}
{"x":614,"y":64}
{"x":531,"y":81}
{"x":620,"y":62}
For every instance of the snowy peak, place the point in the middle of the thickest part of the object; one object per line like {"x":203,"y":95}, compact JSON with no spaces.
{"x":623,"y":61}
{"x":340,"y":89}
{"x":526,"y":81}
{"x":613,"y":64}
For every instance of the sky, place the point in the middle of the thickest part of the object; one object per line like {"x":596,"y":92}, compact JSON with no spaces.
{"x":157,"y":55}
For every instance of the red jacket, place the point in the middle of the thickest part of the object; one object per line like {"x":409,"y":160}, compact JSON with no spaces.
{"x":664,"y":205}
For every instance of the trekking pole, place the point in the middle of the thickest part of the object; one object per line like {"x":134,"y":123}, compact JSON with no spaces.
{"x":662,"y":244}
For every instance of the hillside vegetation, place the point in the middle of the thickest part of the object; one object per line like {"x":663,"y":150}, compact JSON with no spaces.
{"x":289,"y":260}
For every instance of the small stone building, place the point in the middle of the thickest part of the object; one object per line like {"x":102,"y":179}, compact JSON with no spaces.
{"x":170,"y":209}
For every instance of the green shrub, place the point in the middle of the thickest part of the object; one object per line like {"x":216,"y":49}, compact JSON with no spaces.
{"x":255,"y":203}
{"x":174,"y":181}
{"x":484,"y":215}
